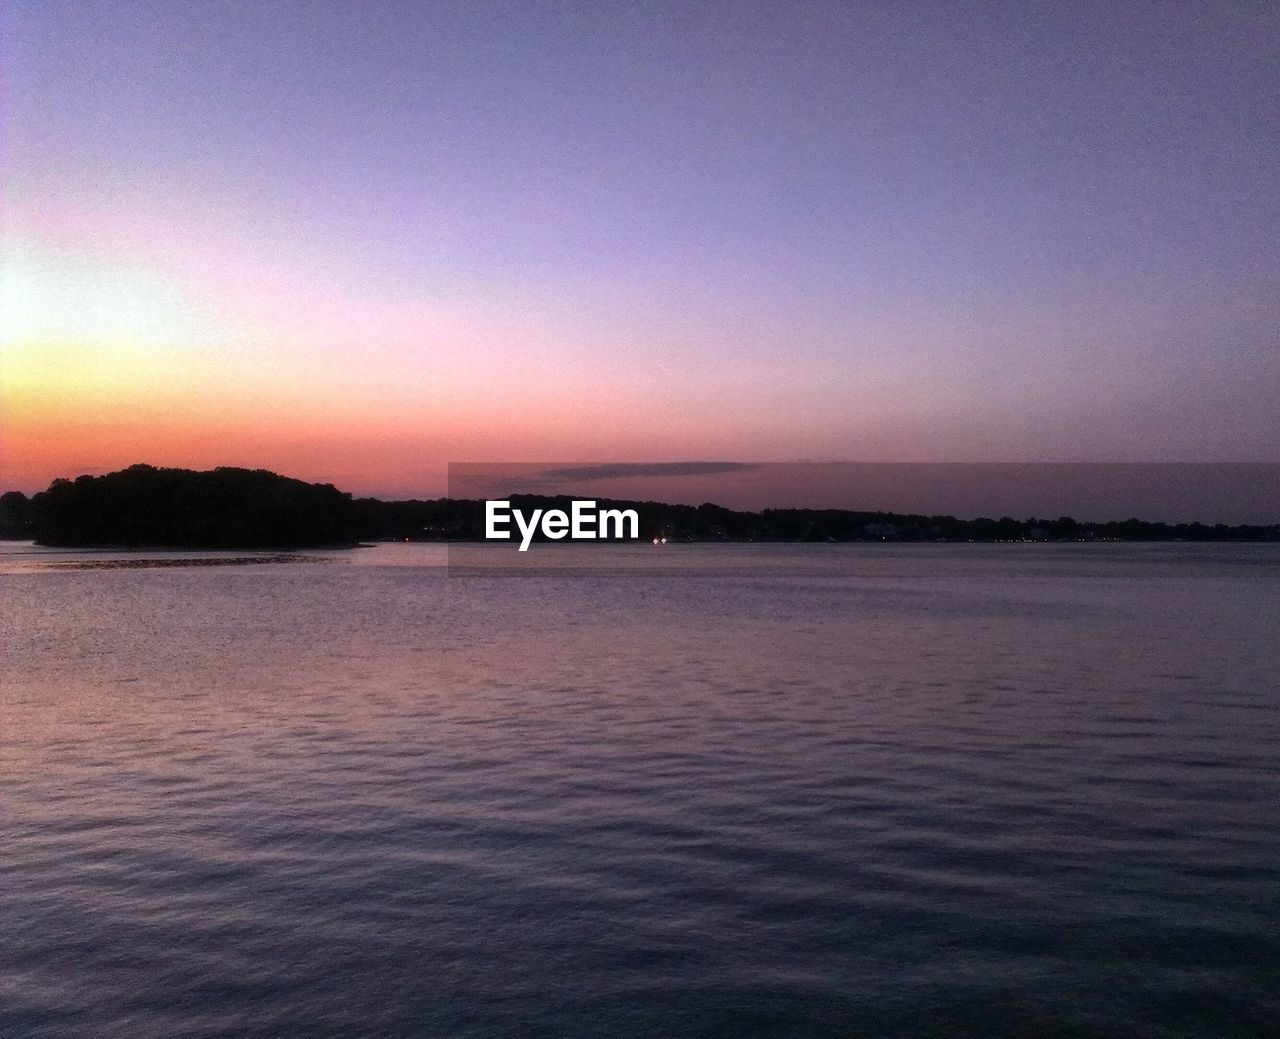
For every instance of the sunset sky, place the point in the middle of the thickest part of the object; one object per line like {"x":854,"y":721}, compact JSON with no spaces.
{"x":357,"y":241}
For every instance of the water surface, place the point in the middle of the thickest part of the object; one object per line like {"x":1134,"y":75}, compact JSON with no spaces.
{"x":717,"y":790}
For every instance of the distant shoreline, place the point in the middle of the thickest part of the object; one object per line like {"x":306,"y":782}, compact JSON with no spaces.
{"x":144,"y":508}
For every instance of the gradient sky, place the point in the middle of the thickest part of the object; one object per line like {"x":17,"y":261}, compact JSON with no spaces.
{"x":357,"y":241}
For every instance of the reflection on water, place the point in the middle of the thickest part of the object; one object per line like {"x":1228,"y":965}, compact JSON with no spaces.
{"x":718,"y":790}
{"x":20,"y":557}
{"x":153,"y":564}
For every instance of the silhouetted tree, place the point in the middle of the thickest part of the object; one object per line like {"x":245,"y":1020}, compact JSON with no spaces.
{"x":15,"y":515}
{"x":178,"y":508}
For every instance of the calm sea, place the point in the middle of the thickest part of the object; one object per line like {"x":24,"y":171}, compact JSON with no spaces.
{"x":1007,"y":790}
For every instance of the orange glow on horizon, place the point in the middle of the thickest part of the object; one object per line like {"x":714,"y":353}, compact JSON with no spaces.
{"x":130,"y":339}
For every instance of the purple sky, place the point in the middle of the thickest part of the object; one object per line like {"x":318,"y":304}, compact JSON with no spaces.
{"x":359,"y":240}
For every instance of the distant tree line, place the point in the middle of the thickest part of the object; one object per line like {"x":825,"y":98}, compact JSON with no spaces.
{"x":462,"y":519}
{"x":144,"y":506}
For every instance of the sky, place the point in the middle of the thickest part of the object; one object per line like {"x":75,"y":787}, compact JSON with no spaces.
{"x":355,"y":242}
